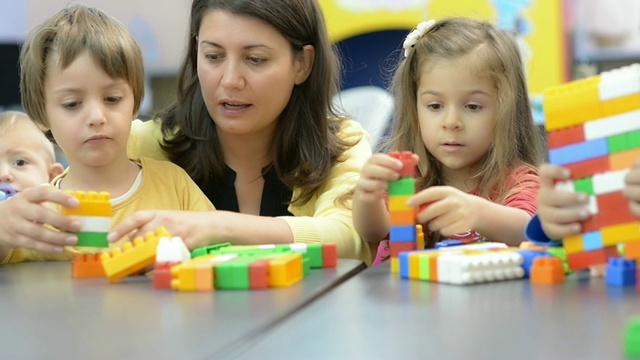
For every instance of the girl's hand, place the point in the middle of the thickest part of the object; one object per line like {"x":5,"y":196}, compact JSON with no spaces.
{"x":560,"y":212}
{"x":191,"y":226}
{"x":375,"y":175}
{"x":23,"y":215}
{"x":446,"y":209}
{"x":632,"y":188}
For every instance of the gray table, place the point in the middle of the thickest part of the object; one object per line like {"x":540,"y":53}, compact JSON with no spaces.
{"x":45,"y":314}
{"x":375,"y":315}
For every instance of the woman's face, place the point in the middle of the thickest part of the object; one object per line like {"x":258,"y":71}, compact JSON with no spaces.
{"x":247,"y":72}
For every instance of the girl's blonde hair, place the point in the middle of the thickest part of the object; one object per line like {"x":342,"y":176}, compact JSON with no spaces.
{"x":517,"y":140}
{"x":58,"y":41}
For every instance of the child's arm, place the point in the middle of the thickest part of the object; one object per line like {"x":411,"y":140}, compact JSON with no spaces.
{"x":452,"y":211}
{"x":22,"y":218}
{"x":370,"y":215}
{"x":632,"y":188}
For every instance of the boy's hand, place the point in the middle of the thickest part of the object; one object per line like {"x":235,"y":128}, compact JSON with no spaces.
{"x":632,"y":188}
{"x":23,"y":215}
{"x":560,"y":212}
{"x":375,"y":175}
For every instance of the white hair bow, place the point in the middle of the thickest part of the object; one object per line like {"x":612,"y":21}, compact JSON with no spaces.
{"x":415,"y":35}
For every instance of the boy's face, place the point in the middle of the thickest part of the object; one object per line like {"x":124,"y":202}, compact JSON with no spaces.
{"x":89,"y":113}
{"x":25,"y":160}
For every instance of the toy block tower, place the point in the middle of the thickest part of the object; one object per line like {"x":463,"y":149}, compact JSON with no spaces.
{"x":94,"y":214}
{"x":594,"y":130}
{"x":402,"y":234}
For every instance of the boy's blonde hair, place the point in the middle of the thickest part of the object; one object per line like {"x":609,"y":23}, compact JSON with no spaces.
{"x":516,"y":139}
{"x":10,"y":119}
{"x":60,"y":39}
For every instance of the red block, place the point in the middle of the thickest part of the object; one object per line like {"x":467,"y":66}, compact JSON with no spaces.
{"x":583,"y":260}
{"x":589,"y":167}
{"x":409,"y":167}
{"x":329,"y":255}
{"x":398,"y":247}
{"x":259,"y":274}
{"x":565,"y":137}
{"x":162,"y":274}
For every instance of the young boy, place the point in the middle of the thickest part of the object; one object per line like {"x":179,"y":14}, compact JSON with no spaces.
{"x":27,"y":158}
{"x":82,"y":82}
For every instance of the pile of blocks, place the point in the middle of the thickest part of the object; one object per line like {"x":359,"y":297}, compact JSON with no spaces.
{"x":594,"y":130}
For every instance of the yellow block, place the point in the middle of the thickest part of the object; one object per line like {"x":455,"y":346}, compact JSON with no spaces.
{"x":92,"y":203}
{"x":285,"y":270}
{"x":419,"y":237}
{"x":395,"y":265}
{"x":572,"y":104}
{"x":573,"y":244}
{"x":414,"y":266}
{"x":399,"y":203}
{"x":629,"y":232}
{"x":621,"y":105}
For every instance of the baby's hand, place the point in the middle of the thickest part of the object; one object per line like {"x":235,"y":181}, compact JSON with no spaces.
{"x":632,"y":188}
{"x":375,"y":175}
{"x":560,"y":212}
{"x":449,"y":211}
{"x":23,"y":215}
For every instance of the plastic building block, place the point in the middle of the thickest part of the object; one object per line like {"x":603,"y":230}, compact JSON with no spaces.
{"x":448,"y":243}
{"x":594,"y":130}
{"x":94,"y":215}
{"x":86,"y":266}
{"x":172,"y":250}
{"x":162,"y":274}
{"x":547,"y":270}
{"x":632,"y":338}
{"x":528,"y":256}
{"x":6,"y":191}
{"x":621,"y":272}
{"x":132,"y":256}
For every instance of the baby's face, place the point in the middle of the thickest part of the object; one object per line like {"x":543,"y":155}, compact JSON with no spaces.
{"x":24,"y":160}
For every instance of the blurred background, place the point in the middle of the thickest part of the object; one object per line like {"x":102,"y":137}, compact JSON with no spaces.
{"x":561,"y":40}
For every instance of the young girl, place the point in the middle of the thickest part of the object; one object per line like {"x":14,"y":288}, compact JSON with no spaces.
{"x":462,"y":108}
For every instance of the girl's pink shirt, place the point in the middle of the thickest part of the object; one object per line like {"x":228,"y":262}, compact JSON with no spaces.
{"x":525,"y":179}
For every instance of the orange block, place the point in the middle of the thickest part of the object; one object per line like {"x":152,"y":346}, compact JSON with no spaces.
{"x":86,"y":266}
{"x":632,"y":251}
{"x":547,"y":270}
{"x":623,"y":160}
{"x":407,"y":217}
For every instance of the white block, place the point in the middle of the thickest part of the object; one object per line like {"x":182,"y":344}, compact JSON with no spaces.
{"x":612,"y":125}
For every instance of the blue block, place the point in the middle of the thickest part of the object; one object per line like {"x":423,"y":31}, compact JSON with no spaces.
{"x":448,"y":243}
{"x":579,"y":152}
{"x":592,"y":240}
{"x":528,"y":256}
{"x":403,"y":258}
{"x":621,"y":272}
{"x":402,"y":233}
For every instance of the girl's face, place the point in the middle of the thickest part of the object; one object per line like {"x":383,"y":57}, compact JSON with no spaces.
{"x":247,"y":72}
{"x":457,"y":112}
{"x":89,"y":113}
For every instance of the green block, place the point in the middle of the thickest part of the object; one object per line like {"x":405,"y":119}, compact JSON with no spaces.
{"x":632,"y":338}
{"x":91,"y":239}
{"x":205,"y":250}
{"x":315,"y":255}
{"x":403,"y":186}
{"x":561,"y":253}
{"x":617,"y":143}
{"x":233,"y":274}
{"x":633,"y":139}
{"x":424,"y":272}
{"x":584,"y":185}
